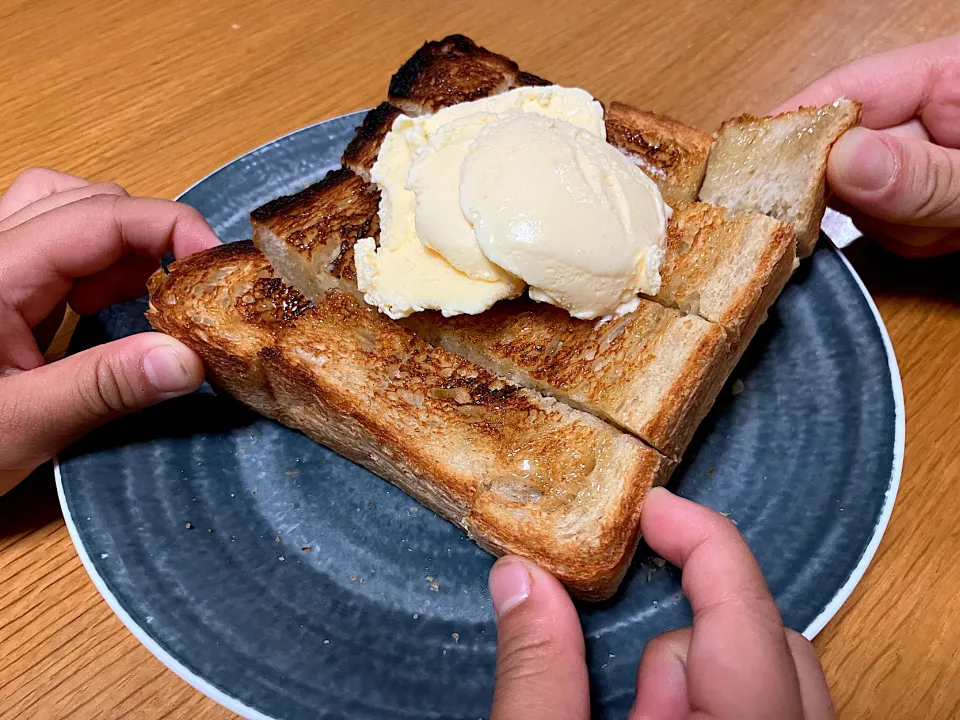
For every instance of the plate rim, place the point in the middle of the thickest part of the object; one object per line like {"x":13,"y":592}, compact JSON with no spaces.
{"x":810,"y":632}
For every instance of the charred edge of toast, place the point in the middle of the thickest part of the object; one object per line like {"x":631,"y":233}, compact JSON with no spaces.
{"x":672,"y":153}
{"x":525,"y":79}
{"x":341,"y":208}
{"x":303,"y":200}
{"x":447,"y":72}
{"x":363,"y":149}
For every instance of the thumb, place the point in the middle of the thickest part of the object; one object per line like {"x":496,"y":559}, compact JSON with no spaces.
{"x":902,"y":180}
{"x":44,"y":410}
{"x":541,"y":670}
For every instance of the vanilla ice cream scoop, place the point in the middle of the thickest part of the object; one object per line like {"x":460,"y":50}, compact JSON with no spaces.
{"x":427,"y":257}
{"x":434,"y":178}
{"x":566,"y":212}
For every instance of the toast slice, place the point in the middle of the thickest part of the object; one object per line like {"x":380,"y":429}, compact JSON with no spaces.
{"x":725,"y":267}
{"x":653,"y":372}
{"x":777,"y":166}
{"x":310,"y":235}
{"x":447,"y":72}
{"x":674,"y":155}
{"x":520,"y":473}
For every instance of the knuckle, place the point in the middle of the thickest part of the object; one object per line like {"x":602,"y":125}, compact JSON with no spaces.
{"x":108,"y":389}
{"x":110,"y":188}
{"x":931,"y":182}
{"x":35,"y":175}
{"x":532,"y":653}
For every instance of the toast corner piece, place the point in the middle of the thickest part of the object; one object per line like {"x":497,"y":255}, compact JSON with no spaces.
{"x":362,"y":152}
{"x":309,"y":237}
{"x":447,"y":72}
{"x":726,"y":267}
{"x":777,"y":165}
{"x":583,"y":532}
{"x":672,"y":154}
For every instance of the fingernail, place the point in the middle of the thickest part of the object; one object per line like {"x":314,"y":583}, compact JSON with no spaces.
{"x":865,"y":160}
{"x":166,"y":371}
{"x":509,"y":585}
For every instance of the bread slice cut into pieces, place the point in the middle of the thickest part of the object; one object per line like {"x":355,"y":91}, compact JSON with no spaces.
{"x":447,"y":72}
{"x":653,"y":372}
{"x":777,"y":165}
{"x":518,"y":472}
{"x":310,"y":236}
{"x":674,"y":155}
{"x":725,"y":267}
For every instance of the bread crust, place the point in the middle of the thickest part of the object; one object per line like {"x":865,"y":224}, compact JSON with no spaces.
{"x":517,"y":471}
{"x":674,"y":155}
{"x":447,"y":72}
{"x":788,"y":152}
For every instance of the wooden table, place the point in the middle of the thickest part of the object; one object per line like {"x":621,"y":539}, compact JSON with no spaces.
{"x":155,"y":95}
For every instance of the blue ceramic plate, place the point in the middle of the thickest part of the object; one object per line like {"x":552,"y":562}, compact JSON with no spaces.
{"x":307,"y":587}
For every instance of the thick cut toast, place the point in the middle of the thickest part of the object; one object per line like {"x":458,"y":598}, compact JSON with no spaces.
{"x":314,"y":231}
{"x":725,"y":267}
{"x":520,"y":473}
{"x":674,"y":155}
{"x":447,"y":72}
{"x":777,"y":166}
{"x":657,"y":380}
{"x":653,"y":372}
{"x":495,"y":402}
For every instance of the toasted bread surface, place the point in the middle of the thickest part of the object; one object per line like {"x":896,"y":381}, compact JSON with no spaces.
{"x":647,"y":372}
{"x":652,"y":372}
{"x":674,"y":155}
{"x":487,"y":455}
{"x":447,"y":72}
{"x":309,"y":237}
{"x":363,"y":149}
{"x":777,"y":165}
{"x":724,"y":267}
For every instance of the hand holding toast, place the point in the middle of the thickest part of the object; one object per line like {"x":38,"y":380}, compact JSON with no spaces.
{"x":898,"y":175}
{"x":737,"y":661}
{"x":65,"y":240}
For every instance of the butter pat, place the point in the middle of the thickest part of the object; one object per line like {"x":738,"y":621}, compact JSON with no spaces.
{"x":556,"y":206}
{"x":428,"y":256}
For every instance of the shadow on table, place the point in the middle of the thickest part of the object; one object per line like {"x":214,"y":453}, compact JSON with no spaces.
{"x":31,"y":505}
{"x":890,"y":276}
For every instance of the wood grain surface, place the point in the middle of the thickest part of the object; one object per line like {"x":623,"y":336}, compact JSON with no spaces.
{"x":155,"y":95}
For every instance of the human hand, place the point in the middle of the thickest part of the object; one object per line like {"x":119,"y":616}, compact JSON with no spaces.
{"x":65,"y":240}
{"x":898,"y":176}
{"x":736,"y":662}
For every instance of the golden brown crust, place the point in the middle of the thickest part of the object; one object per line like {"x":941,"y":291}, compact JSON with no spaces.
{"x":363,"y":149}
{"x":674,"y":155}
{"x":326,"y":218}
{"x":643,"y":371}
{"x":777,"y":165}
{"x":447,"y":72}
{"x":363,"y":385}
{"x":724,"y":267}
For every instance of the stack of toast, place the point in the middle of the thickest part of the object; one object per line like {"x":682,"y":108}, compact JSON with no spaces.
{"x":536,"y":433}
